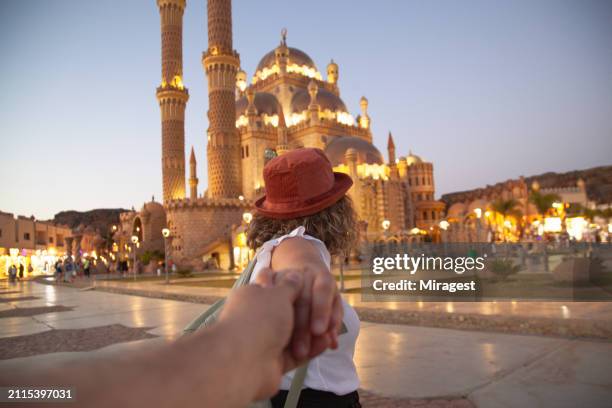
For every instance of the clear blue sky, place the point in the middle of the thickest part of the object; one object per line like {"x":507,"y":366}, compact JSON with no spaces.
{"x":486,"y":90}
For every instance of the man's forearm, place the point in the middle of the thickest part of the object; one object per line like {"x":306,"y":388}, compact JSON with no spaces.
{"x":213,"y":368}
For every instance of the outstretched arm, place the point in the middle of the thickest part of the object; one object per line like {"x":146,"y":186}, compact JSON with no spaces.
{"x":239,"y":359}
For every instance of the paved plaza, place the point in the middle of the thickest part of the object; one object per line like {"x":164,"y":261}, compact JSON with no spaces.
{"x":399,"y":365}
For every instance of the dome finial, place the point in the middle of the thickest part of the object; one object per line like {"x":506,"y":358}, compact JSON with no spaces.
{"x":284,"y":36}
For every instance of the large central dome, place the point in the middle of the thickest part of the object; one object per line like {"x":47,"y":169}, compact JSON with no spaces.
{"x":297,"y":57}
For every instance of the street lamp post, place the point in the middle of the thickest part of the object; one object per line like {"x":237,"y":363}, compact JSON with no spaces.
{"x":135,"y":242}
{"x":386,"y":224}
{"x":444,"y":235}
{"x":247,"y":217}
{"x":341,"y":258}
{"x":166,"y":234}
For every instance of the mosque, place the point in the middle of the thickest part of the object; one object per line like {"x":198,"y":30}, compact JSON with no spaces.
{"x":286,"y":104}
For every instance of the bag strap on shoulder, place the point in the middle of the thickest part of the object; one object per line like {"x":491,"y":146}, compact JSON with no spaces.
{"x":293,"y":396}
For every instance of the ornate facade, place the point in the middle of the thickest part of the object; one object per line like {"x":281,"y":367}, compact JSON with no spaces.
{"x":288,"y":104}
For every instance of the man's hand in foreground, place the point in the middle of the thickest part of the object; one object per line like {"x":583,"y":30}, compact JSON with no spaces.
{"x":265,"y":316}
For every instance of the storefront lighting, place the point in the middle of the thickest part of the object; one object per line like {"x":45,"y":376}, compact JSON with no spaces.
{"x":552,"y":224}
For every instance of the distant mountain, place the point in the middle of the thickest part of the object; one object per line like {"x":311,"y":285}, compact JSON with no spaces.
{"x":598,"y":181}
{"x":99,"y":219}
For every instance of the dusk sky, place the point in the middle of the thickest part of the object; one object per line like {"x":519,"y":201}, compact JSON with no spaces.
{"x":486,"y":90}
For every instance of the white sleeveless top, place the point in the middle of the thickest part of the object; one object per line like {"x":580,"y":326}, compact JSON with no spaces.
{"x":334,"y":370}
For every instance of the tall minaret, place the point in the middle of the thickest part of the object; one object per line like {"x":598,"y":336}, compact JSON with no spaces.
{"x":221,"y":64}
{"x":193,"y":176}
{"x":172,"y":97}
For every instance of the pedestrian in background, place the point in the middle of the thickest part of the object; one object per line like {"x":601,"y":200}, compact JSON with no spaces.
{"x":58,"y":270}
{"x":86,"y":266}
{"x":68,"y":270}
{"x":12,"y":273}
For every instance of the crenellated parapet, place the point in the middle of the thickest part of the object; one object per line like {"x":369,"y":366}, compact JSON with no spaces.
{"x":209,"y":202}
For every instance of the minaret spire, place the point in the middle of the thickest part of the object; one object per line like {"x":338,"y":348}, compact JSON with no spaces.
{"x":391,"y":148}
{"x":221,"y":64}
{"x":172,"y":97}
{"x":193,"y":176}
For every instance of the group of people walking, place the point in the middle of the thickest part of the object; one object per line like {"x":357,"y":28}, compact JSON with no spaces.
{"x":67,"y":270}
{"x":16,"y":272}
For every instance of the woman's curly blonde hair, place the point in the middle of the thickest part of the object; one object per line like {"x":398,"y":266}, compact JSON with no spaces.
{"x":336,"y":226}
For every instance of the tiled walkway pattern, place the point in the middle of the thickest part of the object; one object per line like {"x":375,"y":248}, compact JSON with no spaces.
{"x":399,"y":365}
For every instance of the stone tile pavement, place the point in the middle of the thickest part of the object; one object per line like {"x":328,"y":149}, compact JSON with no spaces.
{"x":563,"y":319}
{"x":399,"y":365}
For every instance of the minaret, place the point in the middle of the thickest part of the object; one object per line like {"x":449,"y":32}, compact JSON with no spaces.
{"x":172,"y":97}
{"x":282,"y":146}
{"x":221,"y":64}
{"x":332,"y":73}
{"x":313,"y":107}
{"x":364,"y":119}
{"x":391,"y":149}
{"x":193,"y":176}
{"x":281,"y":53}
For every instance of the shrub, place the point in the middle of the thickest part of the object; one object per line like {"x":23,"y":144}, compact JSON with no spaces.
{"x":184,"y":273}
{"x":504,"y":267}
{"x":149,"y":256}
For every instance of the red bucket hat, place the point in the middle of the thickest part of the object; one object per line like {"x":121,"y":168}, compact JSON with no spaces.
{"x":300,"y":182}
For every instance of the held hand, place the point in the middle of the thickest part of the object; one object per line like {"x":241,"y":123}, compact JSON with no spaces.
{"x":318,"y":310}
{"x":267,"y":315}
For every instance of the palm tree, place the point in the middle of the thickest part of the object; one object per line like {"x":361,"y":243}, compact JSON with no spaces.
{"x":507,"y":209}
{"x":543,"y":202}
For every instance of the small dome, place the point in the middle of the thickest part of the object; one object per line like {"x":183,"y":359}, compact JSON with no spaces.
{"x":413,"y":159}
{"x":456,"y":210}
{"x":366,"y":151}
{"x":325,"y":99}
{"x":297,"y":57}
{"x":264,"y":103}
{"x":153,"y":208}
